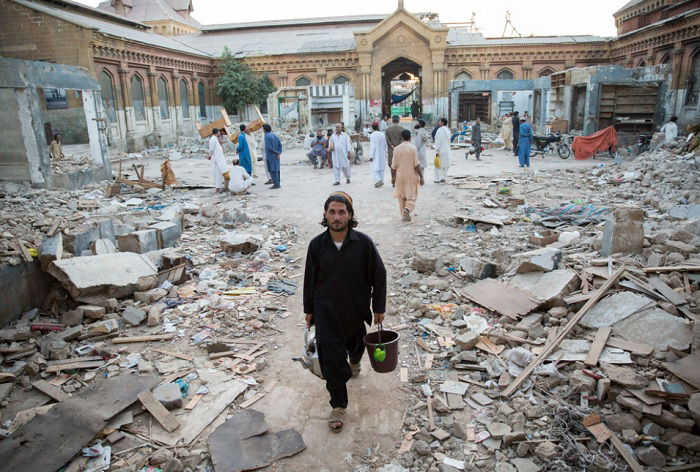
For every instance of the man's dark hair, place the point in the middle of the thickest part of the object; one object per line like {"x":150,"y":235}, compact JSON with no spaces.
{"x":417,"y":126}
{"x":515,"y":113}
{"x":443,"y":121}
{"x":674,"y":118}
{"x":214,"y":131}
{"x":421,"y":123}
{"x":406,"y":135}
{"x":341,"y":199}
{"x":375,"y":126}
{"x":55,"y":136}
{"x":329,"y":132}
{"x":242,"y":128}
{"x":395,"y":118}
{"x":267,"y":128}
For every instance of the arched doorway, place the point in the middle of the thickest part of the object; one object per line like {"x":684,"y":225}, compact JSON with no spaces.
{"x":401,"y":83}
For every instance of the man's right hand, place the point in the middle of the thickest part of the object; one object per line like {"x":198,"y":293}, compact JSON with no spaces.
{"x":309,"y":319}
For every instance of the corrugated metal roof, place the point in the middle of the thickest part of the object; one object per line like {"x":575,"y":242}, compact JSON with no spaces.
{"x":297,"y":22}
{"x":462,"y":37}
{"x":271,"y":42}
{"x":151,"y":10}
{"x":113,"y":29}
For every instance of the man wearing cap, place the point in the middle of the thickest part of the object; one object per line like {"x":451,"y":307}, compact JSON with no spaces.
{"x":393,"y":139}
{"x":218,"y":161}
{"x":344,"y":273}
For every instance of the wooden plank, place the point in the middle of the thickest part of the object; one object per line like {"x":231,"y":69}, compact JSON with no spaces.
{"x":23,"y":250}
{"x":143,"y":339}
{"x":186,"y":357}
{"x":51,"y":390}
{"x":431,"y":419}
{"x":252,"y":400}
{"x":74,"y":359}
{"x":550,"y":347}
{"x":668,"y":293}
{"x":403,"y":374}
{"x":597,"y":346}
{"x":682,"y":268}
{"x":687,"y":369}
{"x":54,"y":227}
{"x":193,"y":401}
{"x":626,"y":454}
{"x":166,"y":419}
{"x":499,"y":297}
{"x":429,"y":361}
{"x":75,"y":365}
{"x":634,"y":348}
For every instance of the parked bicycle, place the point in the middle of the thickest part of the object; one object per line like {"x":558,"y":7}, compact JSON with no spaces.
{"x":552,"y":142}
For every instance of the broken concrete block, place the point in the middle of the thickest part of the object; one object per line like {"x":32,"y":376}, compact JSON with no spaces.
{"x":547,"y":451}
{"x":168,"y":233}
{"x":19,"y":334}
{"x":477,"y":269}
{"x":103,"y":327}
{"x":122,"y":229}
{"x":694,"y":407}
{"x":625,"y":376}
{"x":650,"y":456}
{"x":78,"y":239}
{"x":498,"y":430}
{"x":133,"y":315}
{"x":657,"y":328}
{"x":93,"y":312}
{"x":51,"y":250}
{"x":582,"y":383}
{"x":680,"y":247}
{"x":109,"y":304}
{"x":685,"y":211}
{"x":53,"y":347}
{"x":139,"y":241}
{"x":687,"y":440}
{"x":106,"y":228}
{"x":150,"y":296}
{"x":539,"y":260}
{"x":614,"y":309}
{"x":154,"y":313}
{"x":169,"y":395}
{"x":624,"y":232}
{"x":88,"y":281}
{"x":467,"y":340}
{"x":424,"y":262}
{"x":529,"y":322}
{"x":243,"y":243}
{"x":547,"y":288}
{"x":72,"y":333}
{"x":72,"y":317}
{"x":103,"y":246}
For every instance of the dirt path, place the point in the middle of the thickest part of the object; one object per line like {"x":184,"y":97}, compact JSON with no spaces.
{"x":377,"y":403}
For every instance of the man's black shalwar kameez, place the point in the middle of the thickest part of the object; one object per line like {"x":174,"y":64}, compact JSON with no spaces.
{"x":338,"y":287}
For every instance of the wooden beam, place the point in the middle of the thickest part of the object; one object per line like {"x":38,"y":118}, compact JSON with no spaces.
{"x":683,"y":268}
{"x":166,"y":419}
{"x":143,"y":339}
{"x":563,"y":333}
{"x":51,"y":390}
{"x":626,"y":454}
{"x":597,"y":346}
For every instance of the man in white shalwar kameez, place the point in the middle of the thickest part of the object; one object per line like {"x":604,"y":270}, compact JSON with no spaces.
{"x":218,"y":161}
{"x":442,"y":147}
{"x":377,"y":152}
{"x":340,"y":147}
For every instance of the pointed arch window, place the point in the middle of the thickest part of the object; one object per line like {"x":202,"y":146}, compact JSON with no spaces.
{"x":184,"y":99}
{"x":302,"y":82}
{"x":505,"y":74}
{"x":163,"y":100}
{"x":202,"y":100}
{"x":340,"y":80}
{"x":137,"y":98}
{"x":108,"y":105}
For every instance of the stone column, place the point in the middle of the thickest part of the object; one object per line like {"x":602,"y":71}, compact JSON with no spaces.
{"x":282,"y":76}
{"x":126,"y":100}
{"x":677,"y":72}
{"x":155,"y":105}
{"x":322,"y":75}
{"x":176,"y":101}
{"x":527,"y":71}
{"x":362,"y":92}
{"x":484,"y":69}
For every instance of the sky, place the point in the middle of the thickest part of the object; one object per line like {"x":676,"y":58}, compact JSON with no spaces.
{"x":530,"y":17}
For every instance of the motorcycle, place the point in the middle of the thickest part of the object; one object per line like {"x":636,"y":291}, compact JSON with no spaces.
{"x":542,"y":144}
{"x":643,"y":143}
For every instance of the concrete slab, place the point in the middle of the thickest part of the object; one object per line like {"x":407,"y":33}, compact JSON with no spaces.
{"x":624,"y":232}
{"x":614,"y":309}
{"x":547,"y":287}
{"x":86,"y":279}
{"x":539,"y":260}
{"x":139,"y":241}
{"x":657,"y":328}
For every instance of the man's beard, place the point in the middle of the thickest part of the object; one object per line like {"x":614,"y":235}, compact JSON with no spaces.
{"x":340,"y":229}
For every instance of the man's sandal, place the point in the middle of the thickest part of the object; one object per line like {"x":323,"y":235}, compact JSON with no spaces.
{"x":335,"y":421}
{"x":356,"y":368}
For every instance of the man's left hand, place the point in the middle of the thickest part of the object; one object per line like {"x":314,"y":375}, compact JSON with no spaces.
{"x":378,"y":318}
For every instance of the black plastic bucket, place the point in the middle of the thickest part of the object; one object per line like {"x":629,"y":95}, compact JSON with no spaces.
{"x":387,"y":341}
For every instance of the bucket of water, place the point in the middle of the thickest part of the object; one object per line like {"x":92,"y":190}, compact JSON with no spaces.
{"x":383,"y":349}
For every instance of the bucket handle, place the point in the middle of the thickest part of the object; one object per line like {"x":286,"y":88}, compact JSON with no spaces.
{"x":380,"y":328}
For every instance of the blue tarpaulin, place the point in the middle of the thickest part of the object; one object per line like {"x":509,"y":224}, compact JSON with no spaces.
{"x":400,"y":98}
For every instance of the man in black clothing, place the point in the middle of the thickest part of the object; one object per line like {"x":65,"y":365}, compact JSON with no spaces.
{"x":344,"y":272}
{"x":516,"y":132}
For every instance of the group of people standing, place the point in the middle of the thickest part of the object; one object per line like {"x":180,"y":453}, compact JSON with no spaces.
{"x":238,"y":178}
{"x":516,"y":130}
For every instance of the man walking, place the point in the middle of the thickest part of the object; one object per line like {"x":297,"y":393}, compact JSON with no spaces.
{"x":273,"y":151}
{"x":442,"y":148}
{"x":377,"y":154}
{"x":420,"y":141}
{"x":340,"y":148}
{"x":318,"y":149}
{"x":243,"y":151}
{"x":476,"y":138}
{"x":393,"y":136}
{"x":382,"y":123}
{"x":408,"y":175}
{"x":524,"y":142}
{"x":344,"y":273}
{"x":515,"y":121}
{"x":218,"y":161}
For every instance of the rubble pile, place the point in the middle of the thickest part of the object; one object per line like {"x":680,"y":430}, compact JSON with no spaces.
{"x":173,"y":297}
{"x":540,"y":333}
{"x":73,"y":162}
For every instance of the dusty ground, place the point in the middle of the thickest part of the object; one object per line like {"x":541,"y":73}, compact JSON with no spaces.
{"x":377,"y":403}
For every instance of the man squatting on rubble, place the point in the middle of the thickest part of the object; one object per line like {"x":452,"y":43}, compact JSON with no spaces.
{"x":343,"y":273}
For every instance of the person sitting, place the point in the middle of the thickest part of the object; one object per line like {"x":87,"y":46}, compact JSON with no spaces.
{"x":240,"y":179}
{"x":367,"y":130}
{"x":318,"y":149}
{"x":465,"y":128}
